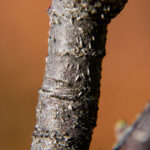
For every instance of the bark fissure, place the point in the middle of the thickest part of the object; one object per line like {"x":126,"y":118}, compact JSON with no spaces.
{"x":68,"y":99}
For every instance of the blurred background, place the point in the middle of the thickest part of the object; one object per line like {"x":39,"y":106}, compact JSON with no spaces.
{"x":125,"y":84}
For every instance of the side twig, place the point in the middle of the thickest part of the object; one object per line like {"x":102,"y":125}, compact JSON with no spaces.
{"x":138,"y":135}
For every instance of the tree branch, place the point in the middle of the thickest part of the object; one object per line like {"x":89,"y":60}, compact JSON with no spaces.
{"x":138,"y":135}
{"x":68,"y":99}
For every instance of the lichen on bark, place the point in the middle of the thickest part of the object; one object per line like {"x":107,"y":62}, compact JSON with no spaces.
{"x":68,"y":99}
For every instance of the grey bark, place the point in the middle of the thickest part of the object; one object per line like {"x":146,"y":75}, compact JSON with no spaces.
{"x":68,"y":99}
{"x":138,"y":135}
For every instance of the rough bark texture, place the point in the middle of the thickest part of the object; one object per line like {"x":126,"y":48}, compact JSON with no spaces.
{"x":138,"y":135}
{"x":68,"y":99}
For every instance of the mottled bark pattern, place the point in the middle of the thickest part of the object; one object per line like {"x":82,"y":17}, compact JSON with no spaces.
{"x":68,"y":99}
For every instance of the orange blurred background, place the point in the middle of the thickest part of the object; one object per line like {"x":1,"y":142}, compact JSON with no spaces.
{"x":125,"y":84}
